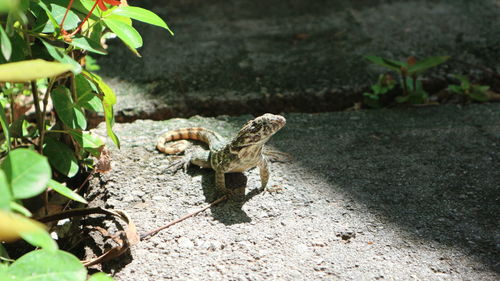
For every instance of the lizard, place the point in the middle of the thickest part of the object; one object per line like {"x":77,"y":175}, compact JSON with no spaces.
{"x":241,"y":153}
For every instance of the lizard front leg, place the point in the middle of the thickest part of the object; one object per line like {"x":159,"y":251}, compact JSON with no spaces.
{"x":264,"y":173}
{"x":220,"y":183}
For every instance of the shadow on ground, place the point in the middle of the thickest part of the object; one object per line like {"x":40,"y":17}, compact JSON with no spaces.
{"x":421,"y":169}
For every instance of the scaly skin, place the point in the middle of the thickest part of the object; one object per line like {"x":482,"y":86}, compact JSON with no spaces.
{"x":243,"y":152}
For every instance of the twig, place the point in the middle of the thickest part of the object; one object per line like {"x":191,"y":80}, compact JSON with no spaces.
{"x":75,"y":213}
{"x":39,"y":118}
{"x":34,"y":91}
{"x":153,"y":232}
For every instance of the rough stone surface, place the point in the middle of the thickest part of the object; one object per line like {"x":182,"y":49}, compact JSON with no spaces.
{"x":407,"y":194}
{"x":255,"y":56}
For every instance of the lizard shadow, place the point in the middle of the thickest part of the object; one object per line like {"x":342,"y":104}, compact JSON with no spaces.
{"x":229,"y":212}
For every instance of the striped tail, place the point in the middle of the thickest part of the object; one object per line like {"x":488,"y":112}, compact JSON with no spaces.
{"x":194,"y":133}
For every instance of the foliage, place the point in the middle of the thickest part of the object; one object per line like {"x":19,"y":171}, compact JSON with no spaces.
{"x":409,"y":72}
{"x":384,"y":84}
{"x":46,"y":87}
{"x":469,"y":90}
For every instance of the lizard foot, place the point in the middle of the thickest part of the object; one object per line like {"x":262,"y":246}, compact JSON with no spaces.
{"x":181,"y":163}
{"x":273,"y":189}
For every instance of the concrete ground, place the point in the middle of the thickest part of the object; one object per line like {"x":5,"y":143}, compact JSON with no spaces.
{"x":407,"y":194}
{"x":399,"y":194}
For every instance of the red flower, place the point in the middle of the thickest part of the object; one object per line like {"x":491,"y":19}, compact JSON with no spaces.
{"x":110,"y":2}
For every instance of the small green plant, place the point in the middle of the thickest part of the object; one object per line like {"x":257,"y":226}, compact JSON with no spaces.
{"x":409,"y":72}
{"x":46,"y":86}
{"x":467,"y":89}
{"x":384,"y":84}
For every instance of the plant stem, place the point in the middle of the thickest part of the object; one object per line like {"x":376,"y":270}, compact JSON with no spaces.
{"x":57,"y":131}
{"x":84,"y":20}
{"x":47,"y":94}
{"x":73,"y":87}
{"x":39,"y":117}
{"x":12,"y":115}
{"x":63,"y":31}
{"x":414,"y":78}
{"x":405,"y":85}
{"x":34,"y":91}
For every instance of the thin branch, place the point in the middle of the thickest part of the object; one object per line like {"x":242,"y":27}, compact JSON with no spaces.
{"x":39,"y":118}
{"x":153,"y":232}
{"x":34,"y":91}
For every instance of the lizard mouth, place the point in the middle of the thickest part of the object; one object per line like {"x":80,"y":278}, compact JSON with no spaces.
{"x":280,"y":120}
{"x":277,"y":121}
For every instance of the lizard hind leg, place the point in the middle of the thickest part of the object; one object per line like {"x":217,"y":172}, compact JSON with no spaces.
{"x":194,"y":155}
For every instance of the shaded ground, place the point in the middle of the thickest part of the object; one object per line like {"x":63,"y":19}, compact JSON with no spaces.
{"x":243,"y":56}
{"x":389,"y":194}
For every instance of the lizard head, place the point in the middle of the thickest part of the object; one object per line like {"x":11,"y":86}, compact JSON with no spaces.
{"x":259,"y":130}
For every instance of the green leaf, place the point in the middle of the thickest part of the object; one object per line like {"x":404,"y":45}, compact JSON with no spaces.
{"x":40,"y":238}
{"x":478,"y":93}
{"x":45,"y":265}
{"x":5,"y":193}
{"x":464,"y":82}
{"x":108,"y":101}
{"x":4,"y":266}
{"x":402,"y":99}
{"x":84,"y":6}
{"x":86,"y":94}
{"x":16,"y":207}
{"x":100,"y":276}
{"x":68,"y":112}
{"x":387,"y":63}
{"x":27,"y":172}
{"x":5,"y":46}
{"x":91,"y":64}
{"x":59,"y":55}
{"x":8,"y":5}
{"x":425,"y":64}
{"x":141,"y":14}
{"x":455,"y":89}
{"x":5,"y":255}
{"x":63,"y":190}
{"x":13,"y":226}
{"x":18,"y":128}
{"x":5,"y":127}
{"x":129,"y":35}
{"x":55,"y":10}
{"x":61,"y":157}
{"x":28,"y":70}
{"x":24,"y":5}
{"x":371,"y":101}
{"x":40,"y":16}
{"x":88,"y":45}
{"x":19,"y":48}
{"x":90,"y":143}
{"x":420,"y":97}
{"x":91,"y":102}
